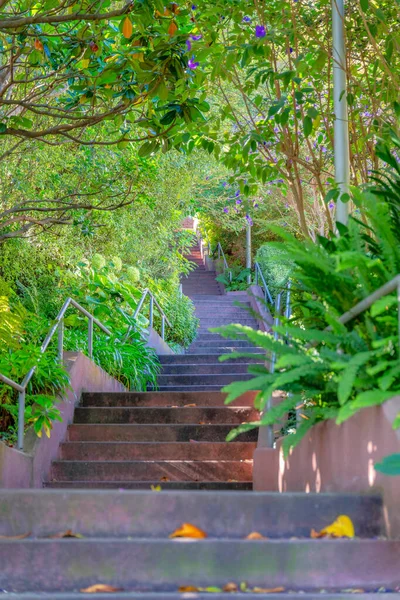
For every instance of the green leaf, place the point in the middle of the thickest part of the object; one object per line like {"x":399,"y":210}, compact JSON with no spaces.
{"x":382,"y":305}
{"x":307,"y":126}
{"x":390,"y":465}
{"x":347,"y":377}
{"x":373,"y":397}
{"x":364,"y":5}
{"x":396,"y":422}
{"x":3,"y":127}
{"x":147,"y":148}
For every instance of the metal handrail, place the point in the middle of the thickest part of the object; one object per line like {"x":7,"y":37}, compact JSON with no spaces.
{"x":221,"y":253}
{"x":264,"y":286}
{"x":57,"y":325}
{"x":153,"y":302}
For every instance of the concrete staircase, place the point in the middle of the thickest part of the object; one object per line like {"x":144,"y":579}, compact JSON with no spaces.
{"x":174,"y":437}
{"x":126,"y":544}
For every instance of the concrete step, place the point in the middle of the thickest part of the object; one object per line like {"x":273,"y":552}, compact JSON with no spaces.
{"x":154,"y":433}
{"x":223,"y":298}
{"x":163,"y":415}
{"x":218,"y":343}
{"x":168,"y":399}
{"x":206,"y":596}
{"x":171,"y":470}
{"x":167,"y":359}
{"x":218,"y":322}
{"x":121,"y":486}
{"x":219,"y":350}
{"x":154,"y":515}
{"x":191,"y":379}
{"x":164,"y":565}
{"x":206,"y":369}
{"x":107,"y":451}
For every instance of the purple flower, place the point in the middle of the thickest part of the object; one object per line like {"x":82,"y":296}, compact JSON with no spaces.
{"x":237,"y":194}
{"x":331,"y":205}
{"x":290,"y":50}
{"x":279,"y":181}
{"x":255,"y":205}
{"x":249,"y":220}
{"x":207,"y":178}
{"x":269,"y":192}
{"x":246,"y":19}
{"x":238,"y":201}
{"x":196,"y":38}
{"x":226,"y":210}
{"x":224,"y":184}
{"x":287,"y":205}
{"x":192,"y":64}
{"x":260,"y":31}
{"x":324,"y":149}
{"x":188,"y":45}
{"x":194,"y":6}
{"x":285,"y":224}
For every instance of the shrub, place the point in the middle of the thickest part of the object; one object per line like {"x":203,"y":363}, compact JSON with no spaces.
{"x":275,"y":266}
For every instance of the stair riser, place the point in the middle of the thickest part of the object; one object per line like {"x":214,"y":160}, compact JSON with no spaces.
{"x":145,"y":470}
{"x":146,"y":514}
{"x":220,"y":350}
{"x":164,"y":399}
{"x":155,"y":433}
{"x":88,"y":451}
{"x":221,"y":343}
{"x":198,"y":369}
{"x":222,"y":380}
{"x":210,"y":358}
{"x":159,"y":415}
{"x":168,"y":564}
{"x":145,"y":486}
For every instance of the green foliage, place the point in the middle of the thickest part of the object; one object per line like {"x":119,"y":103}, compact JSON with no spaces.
{"x":275,"y":267}
{"x":390,"y":465}
{"x":331,"y":370}
{"x":235,"y":279}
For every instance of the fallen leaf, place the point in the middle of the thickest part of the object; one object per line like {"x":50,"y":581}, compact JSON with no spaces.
{"x":164,"y":478}
{"x":232,"y":480}
{"x":254,"y":535}
{"x":99,"y":588}
{"x":188,"y":588}
{"x":341,"y":527}
{"x":276,"y":590}
{"x":202,"y":423}
{"x":173,"y":28}
{"x":22,"y":536}
{"x":194,"y":441}
{"x":189,"y":405}
{"x":66,"y":534}
{"x":127,"y":28}
{"x":188,"y":530}
{"x":156,"y":488}
{"x":230,"y":587}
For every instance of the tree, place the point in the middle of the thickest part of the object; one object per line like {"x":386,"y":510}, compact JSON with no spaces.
{"x":68,"y":66}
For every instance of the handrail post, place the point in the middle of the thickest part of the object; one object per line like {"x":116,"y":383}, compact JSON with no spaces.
{"x":60,"y":342}
{"x":151,"y":318}
{"x":21,"y":419}
{"x":398,"y":310}
{"x":90,"y":338}
{"x":163,"y":327}
{"x":219,"y":250}
{"x":256,"y":274}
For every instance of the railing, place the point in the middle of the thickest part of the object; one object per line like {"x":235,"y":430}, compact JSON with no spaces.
{"x":259,"y":277}
{"x":58,"y":325}
{"x":221,"y":253}
{"x":153,"y":302}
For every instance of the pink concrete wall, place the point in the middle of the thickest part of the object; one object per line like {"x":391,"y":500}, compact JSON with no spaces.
{"x":334,"y":458}
{"x":156,"y":342}
{"x":257,"y":302}
{"x":29,"y":468}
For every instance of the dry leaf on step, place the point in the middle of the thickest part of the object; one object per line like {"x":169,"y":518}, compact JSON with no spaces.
{"x":254,"y":535}
{"x":22,"y":536}
{"x":164,"y":478}
{"x":276,"y":590}
{"x":188,"y":588}
{"x":100,"y":588}
{"x":189,"y":405}
{"x":194,"y":441}
{"x":187,"y":530}
{"x":230,"y":587}
{"x":342,"y":527}
{"x":66,"y":534}
{"x":156,"y":488}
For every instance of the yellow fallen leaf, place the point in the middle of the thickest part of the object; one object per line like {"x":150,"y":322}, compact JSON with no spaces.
{"x":276,"y":590}
{"x":254,"y":535}
{"x":188,"y":588}
{"x":66,"y":534}
{"x":22,"y":536}
{"x":341,"y":527}
{"x":189,"y":405}
{"x":156,"y":488}
{"x":188,"y":530}
{"x":99,"y":588}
